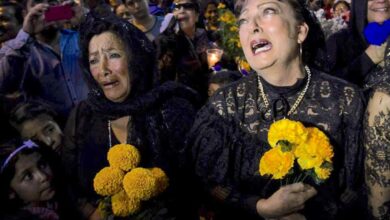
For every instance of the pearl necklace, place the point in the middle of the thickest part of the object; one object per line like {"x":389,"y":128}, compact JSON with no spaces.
{"x":296,"y":103}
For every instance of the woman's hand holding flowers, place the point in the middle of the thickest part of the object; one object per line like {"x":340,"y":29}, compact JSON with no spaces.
{"x":288,"y":199}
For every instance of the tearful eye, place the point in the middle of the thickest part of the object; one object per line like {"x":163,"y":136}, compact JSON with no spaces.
{"x":92,"y":61}
{"x":241,"y":22}
{"x":115,"y":55}
{"x":269,"y":11}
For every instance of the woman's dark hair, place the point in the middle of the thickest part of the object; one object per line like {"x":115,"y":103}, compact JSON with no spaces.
{"x":29,"y":110}
{"x":140,"y":51}
{"x":315,"y":40}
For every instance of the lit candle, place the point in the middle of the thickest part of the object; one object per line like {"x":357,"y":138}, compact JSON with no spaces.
{"x":213,"y":59}
{"x":213,"y":56}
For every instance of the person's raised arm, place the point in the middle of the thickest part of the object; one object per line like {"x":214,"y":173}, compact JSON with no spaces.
{"x":15,"y":53}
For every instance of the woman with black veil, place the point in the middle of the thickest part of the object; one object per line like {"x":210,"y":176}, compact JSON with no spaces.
{"x":122,"y":107}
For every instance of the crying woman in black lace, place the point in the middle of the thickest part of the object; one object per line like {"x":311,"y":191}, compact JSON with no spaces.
{"x":230,"y":133}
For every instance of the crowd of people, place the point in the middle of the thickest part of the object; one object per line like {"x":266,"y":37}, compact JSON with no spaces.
{"x":136,"y":72}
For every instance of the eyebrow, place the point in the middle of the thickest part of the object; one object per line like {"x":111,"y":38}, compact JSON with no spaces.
{"x":104,"y":50}
{"x":261,"y":5}
{"x":265,"y":3}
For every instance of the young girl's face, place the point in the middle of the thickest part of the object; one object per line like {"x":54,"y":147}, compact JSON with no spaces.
{"x":32,"y":181}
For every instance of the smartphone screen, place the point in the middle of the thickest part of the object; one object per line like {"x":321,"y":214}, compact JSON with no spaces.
{"x":60,"y":12}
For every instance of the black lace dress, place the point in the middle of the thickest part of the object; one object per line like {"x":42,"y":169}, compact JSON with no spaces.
{"x":230,"y":136}
{"x":376,"y":138}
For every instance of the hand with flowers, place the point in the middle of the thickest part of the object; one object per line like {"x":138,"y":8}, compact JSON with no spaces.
{"x":292,"y":142}
{"x":288,"y":199}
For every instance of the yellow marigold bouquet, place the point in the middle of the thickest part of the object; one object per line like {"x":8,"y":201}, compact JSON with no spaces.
{"x":307,"y":149}
{"x":230,"y":41}
{"x":125,"y":185}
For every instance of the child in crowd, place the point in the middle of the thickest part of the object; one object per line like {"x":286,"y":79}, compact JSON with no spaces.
{"x":37,"y":121}
{"x":30,"y":184}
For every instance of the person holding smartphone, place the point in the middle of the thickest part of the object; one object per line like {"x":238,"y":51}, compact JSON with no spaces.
{"x":42,"y":61}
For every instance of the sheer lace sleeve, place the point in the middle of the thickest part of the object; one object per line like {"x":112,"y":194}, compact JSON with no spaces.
{"x":377,"y":144}
{"x":353,"y":149}
{"x":226,"y":159}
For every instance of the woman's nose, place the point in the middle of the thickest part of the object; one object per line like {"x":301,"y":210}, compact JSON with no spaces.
{"x":103,"y":67}
{"x":255,"y":25}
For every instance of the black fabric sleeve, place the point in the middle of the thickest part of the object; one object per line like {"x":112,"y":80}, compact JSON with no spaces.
{"x":353,"y":197}
{"x":71,"y":149}
{"x":217,"y":148}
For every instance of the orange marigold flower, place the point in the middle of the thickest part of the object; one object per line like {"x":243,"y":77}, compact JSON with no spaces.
{"x":322,"y":173}
{"x":140,"y":183}
{"x":124,"y":156}
{"x":123,"y":206}
{"x":162,"y":179}
{"x":276,"y":163}
{"x":293,"y":132}
{"x":108,"y":181}
{"x":315,"y":150}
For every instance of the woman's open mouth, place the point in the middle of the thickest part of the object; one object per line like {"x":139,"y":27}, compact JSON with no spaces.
{"x":110,"y":85}
{"x":260,"y":46}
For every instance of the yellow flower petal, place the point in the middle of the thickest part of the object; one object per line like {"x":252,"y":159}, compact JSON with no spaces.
{"x":322,"y":173}
{"x":108,"y":181}
{"x":292,"y":131}
{"x":221,"y":6}
{"x":276,"y":163}
{"x":140,"y":183}
{"x":315,"y":150}
{"x":124,"y":156}
{"x":123,"y":206}
{"x":162,"y":179}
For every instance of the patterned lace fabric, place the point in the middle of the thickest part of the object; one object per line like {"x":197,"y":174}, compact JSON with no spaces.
{"x":230,"y":135}
{"x":379,"y":78}
{"x":376,"y":139}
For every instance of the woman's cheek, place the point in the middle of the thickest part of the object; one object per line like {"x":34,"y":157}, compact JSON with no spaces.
{"x":94,"y":72}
